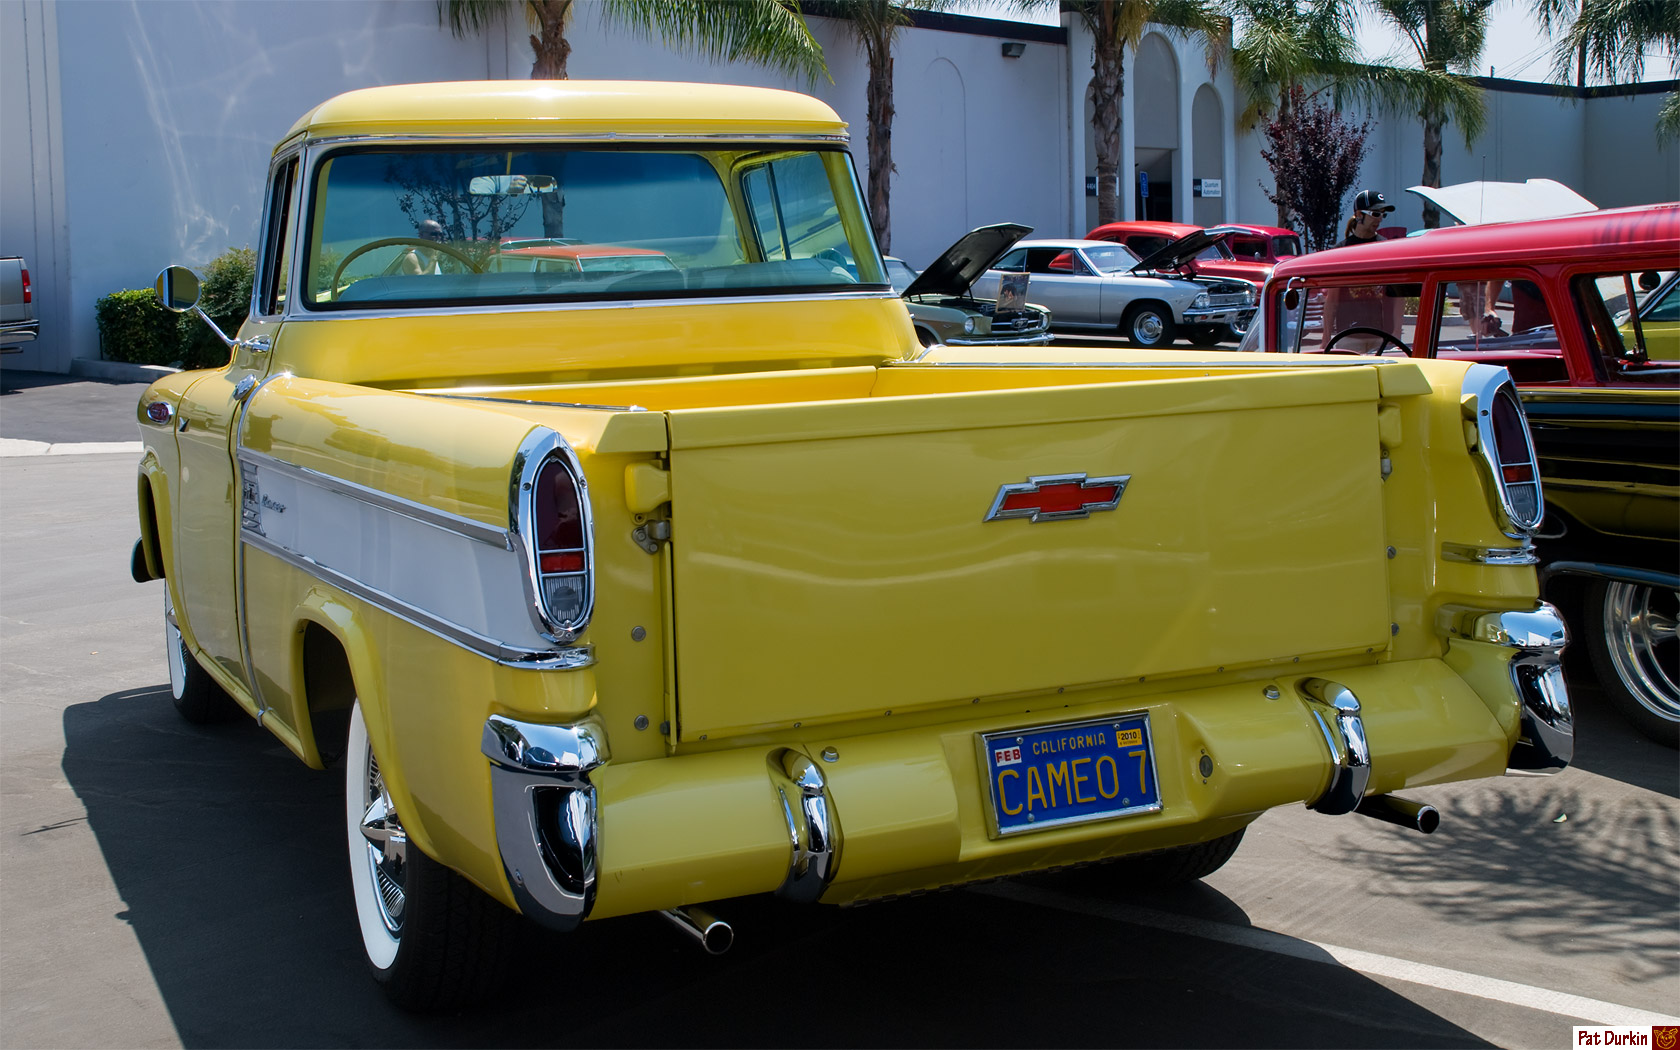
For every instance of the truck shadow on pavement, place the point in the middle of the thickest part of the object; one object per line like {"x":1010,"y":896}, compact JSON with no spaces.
{"x":229,"y":856}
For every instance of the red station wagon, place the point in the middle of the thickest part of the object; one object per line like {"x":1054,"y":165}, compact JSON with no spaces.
{"x":1577,"y":309}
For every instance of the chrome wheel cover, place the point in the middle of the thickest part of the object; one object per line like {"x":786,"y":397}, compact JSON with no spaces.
{"x":1639,"y":630}
{"x":1147,"y":327}
{"x":386,"y":848}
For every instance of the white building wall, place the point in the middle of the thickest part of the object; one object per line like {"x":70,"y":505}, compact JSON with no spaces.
{"x":1603,"y":148}
{"x":32,"y":205}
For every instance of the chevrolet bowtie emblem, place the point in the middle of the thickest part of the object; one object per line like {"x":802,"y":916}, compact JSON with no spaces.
{"x":1057,"y":497}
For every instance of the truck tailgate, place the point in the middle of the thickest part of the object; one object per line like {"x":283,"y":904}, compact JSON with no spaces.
{"x":832,"y":561}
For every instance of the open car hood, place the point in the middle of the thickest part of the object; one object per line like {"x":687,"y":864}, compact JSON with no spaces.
{"x":960,"y":265}
{"x":1477,"y":203}
{"x":1176,"y":253}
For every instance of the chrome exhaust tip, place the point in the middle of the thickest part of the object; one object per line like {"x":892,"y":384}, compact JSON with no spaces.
{"x":713,"y":933}
{"x":1395,"y":810}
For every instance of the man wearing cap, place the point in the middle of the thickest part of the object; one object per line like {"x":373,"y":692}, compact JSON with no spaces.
{"x":1368,"y":211}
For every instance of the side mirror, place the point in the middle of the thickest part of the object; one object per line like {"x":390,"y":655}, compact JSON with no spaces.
{"x":1292,"y":299}
{"x":1649,"y":280}
{"x":177,"y":289}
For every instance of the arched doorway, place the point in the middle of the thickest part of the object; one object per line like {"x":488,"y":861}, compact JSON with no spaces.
{"x":1207,"y":156}
{"x":1154,"y":108}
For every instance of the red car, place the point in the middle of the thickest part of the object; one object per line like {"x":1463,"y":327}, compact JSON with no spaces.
{"x":1579,"y":310}
{"x":1176,"y":248}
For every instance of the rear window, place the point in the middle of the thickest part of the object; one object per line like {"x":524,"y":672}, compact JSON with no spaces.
{"x":462,"y":226}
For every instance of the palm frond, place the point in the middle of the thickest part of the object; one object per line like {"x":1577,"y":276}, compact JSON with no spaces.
{"x":1668,"y":118}
{"x":467,"y":17}
{"x":769,"y":33}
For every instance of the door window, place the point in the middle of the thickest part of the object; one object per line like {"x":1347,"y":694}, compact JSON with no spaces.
{"x":1623,"y":314}
{"x":277,"y":245}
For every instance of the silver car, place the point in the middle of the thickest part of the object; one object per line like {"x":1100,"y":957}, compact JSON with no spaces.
{"x":1095,"y":285}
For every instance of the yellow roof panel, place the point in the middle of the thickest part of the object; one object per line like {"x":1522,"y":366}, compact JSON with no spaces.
{"x":569,"y":107}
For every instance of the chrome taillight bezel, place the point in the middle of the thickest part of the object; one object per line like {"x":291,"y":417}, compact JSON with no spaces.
{"x":541,"y":447}
{"x":1483,"y":386}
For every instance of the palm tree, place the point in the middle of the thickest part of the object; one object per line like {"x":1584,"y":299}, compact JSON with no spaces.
{"x":1611,"y":37}
{"x":769,"y":33}
{"x":874,"y":24}
{"x":1116,"y":25}
{"x":1447,"y":35}
{"x":1285,"y":44}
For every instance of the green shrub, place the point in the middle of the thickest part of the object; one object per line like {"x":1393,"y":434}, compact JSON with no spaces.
{"x":134,"y":327}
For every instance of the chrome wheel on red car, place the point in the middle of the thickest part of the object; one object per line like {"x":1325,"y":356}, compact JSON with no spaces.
{"x":1632,"y":639}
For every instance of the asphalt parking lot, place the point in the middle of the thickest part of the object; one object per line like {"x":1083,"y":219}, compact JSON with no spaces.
{"x":163,"y":884}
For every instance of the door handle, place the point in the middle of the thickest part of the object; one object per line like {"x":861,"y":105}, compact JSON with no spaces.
{"x":243,"y":388}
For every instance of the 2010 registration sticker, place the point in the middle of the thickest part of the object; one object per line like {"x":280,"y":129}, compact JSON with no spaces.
{"x":1072,"y":773}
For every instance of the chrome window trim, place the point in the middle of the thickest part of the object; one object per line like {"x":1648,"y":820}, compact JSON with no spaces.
{"x":297,"y":314}
{"x":610,"y":138}
{"x":314,"y":151}
{"x":540,"y":446}
{"x":1464,"y":552}
{"x":570,"y":658}
{"x":294,"y":201}
{"x":496,"y":537}
{"x":1483,"y":383}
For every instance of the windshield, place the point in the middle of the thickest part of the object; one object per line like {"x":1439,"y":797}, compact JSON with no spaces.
{"x":1111,"y":258}
{"x":462,"y":226}
{"x":901,"y":275}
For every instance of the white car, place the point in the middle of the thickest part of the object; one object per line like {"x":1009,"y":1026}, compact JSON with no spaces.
{"x":1098,"y":285}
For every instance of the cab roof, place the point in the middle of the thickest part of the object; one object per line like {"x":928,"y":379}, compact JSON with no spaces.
{"x":588,"y":108}
{"x":1599,"y":234}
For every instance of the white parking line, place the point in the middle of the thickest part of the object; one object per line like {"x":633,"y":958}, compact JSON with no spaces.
{"x":1563,"y":1004}
{"x":22,"y":447}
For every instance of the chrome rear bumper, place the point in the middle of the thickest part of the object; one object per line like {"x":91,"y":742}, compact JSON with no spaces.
{"x":546,"y":815}
{"x":1537,"y":639}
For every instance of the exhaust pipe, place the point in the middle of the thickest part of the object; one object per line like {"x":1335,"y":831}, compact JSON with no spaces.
{"x":1404,"y":812}
{"x":712,"y":932}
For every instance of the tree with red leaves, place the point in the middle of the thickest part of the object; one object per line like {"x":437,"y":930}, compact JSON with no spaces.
{"x":1315,"y":157}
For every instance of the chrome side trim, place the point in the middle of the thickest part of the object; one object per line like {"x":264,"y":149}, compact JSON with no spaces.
{"x":540,"y":446}
{"x":561,"y":659}
{"x":1463,"y":552}
{"x":525,"y":401}
{"x":1613,"y":573}
{"x":546,"y":816}
{"x":438,"y":519}
{"x":812,"y":832}
{"x":1250,"y":363}
{"x":1336,"y":710}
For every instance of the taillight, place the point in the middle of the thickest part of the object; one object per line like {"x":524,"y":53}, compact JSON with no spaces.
{"x":554,"y":523}
{"x":1507,"y":449}
{"x":27,"y":297}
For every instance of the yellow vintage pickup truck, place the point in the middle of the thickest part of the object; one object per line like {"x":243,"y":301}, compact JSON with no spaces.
{"x":579,"y":483}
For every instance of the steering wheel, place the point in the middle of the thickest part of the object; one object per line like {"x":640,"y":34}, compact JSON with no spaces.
{"x":412,"y":242}
{"x":1386,"y":338}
